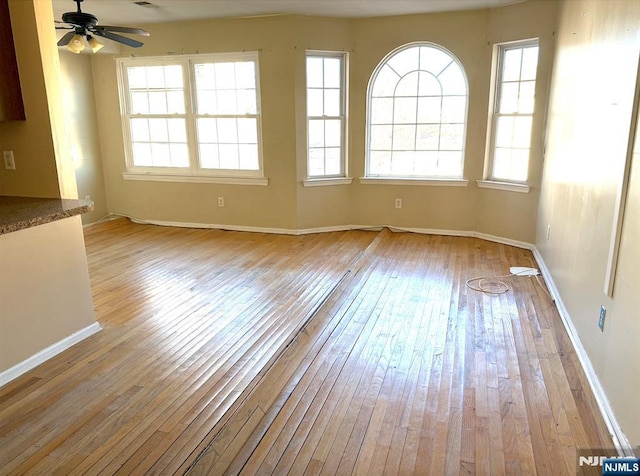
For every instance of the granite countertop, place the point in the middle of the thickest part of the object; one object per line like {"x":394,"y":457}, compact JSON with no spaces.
{"x":18,"y":213}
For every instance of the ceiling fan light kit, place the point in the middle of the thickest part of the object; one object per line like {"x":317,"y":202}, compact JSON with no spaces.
{"x":84,"y":25}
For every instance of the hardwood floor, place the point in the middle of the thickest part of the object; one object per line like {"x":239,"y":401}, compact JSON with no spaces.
{"x":352,"y":352}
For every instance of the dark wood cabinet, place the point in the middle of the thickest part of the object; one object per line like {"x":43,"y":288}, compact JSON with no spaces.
{"x":11,"y":105}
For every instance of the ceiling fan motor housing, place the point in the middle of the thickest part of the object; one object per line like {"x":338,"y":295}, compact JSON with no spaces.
{"x":79,"y":18}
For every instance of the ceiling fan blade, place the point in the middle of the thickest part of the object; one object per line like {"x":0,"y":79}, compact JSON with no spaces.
{"x":65,"y":28}
{"x":123,"y":29}
{"x":66,"y":38}
{"x":120,"y":39}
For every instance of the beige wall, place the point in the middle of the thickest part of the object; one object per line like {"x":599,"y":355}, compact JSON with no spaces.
{"x":31,"y":140}
{"x":80,"y":113}
{"x":590,"y":120}
{"x":285,"y":203}
{"x":52,"y":300}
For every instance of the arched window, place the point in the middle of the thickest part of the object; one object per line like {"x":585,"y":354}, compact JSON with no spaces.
{"x":417,"y":114}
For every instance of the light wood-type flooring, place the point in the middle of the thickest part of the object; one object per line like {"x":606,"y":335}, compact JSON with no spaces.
{"x":359,"y":352}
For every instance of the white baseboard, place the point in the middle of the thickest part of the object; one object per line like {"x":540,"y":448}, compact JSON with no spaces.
{"x":47,"y":353}
{"x":620,"y":440}
{"x":327,"y":229}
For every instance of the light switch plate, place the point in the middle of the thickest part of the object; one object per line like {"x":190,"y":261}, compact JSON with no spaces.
{"x":9,"y":162}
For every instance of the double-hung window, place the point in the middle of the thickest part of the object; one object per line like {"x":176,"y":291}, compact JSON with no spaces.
{"x":326,"y":114}
{"x":417,"y":115}
{"x":512,"y":110}
{"x":192,"y":116}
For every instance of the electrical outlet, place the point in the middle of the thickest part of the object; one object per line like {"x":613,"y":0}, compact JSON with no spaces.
{"x":221,"y":201}
{"x":603,"y":314}
{"x":398,"y":203}
{"x":9,"y":161}
{"x":87,"y":197}
{"x":548,"y":231}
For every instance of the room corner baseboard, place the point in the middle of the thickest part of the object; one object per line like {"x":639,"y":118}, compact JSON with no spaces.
{"x":620,"y":440}
{"x":47,"y":353}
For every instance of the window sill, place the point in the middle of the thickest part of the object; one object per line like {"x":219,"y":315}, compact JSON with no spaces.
{"x":441,"y":182}
{"x":325,"y":182}
{"x":508,"y":186}
{"x":144,"y":177}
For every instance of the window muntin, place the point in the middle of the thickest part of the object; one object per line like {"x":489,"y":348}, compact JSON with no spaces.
{"x":326,"y":117}
{"x":513,"y":109}
{"x":195,"y":115}
{"x":417,"y":112}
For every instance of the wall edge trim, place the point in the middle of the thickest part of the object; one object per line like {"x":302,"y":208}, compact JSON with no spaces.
{"x":47,"y":353}
{"x":620,"y":440}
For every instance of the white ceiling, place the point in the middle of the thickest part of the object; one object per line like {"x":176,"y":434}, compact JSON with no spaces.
{"x":127,"y":12}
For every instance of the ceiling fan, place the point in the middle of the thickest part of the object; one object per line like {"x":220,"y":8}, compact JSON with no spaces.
{"x":86,"y":25}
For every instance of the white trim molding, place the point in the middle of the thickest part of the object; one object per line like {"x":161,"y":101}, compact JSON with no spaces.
{"x":47,"y":353}
{"x":620,"y":440}
{"x":146,"y":177}
{"x":324,"y":182}
{"x":508,"y":186}
{"x":442,"y":182}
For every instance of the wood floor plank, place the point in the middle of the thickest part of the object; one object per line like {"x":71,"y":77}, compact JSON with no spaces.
{"x":338,"y":353}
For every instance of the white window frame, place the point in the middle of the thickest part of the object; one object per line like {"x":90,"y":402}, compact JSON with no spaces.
{"x":490,"y":180}
{"x":341,"y":177}
{"x":194,"y":172}
{"x":443,"y":180}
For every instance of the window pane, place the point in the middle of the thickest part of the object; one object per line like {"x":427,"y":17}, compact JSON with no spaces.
{"x":402,"y":163}
{"x":405,"y":110}
{"x":205,"y":75}
{"x":316,"y":162}
{"x":428,"y":137}
{"x":177,"y":130}
{"x":449,"y":163}
{"x":137,"y":77}
{"x":139,"y":130}
{"x":427,"y":164}
{"x":508,"y":98}
{"x":433,"y":60}
{"x":175,"y":102}
{"x":502,"y":163}
{"x":405,"y":61}
{"x":245,"y":75}
{"x":519,"y":164}
{"x":155,"y":77}
{"x":316,"y":133}
{"x":452,"y":81}
{"x":315,"y":102}
{"x":404,"y":137}
{"x":157,"y":102}
{"x":179,"y":155}
{"x":332,"y":161}
{"x":247,"y":101}
{"x":142,"y":154}
{"x":249,"y":157}
{"x":408,"y":86}
{"x":247,"y":131}
{"x":225,"y":76}
{"x":382,"y":111}
{"x":207,"y":103}
{"x":529,"y":63}
{"x":511,"y":64}
{"x":207,"y":130}
{"x":209,"y":156}
{"x":227,"y":102}
{"x":332,"y":73}
{"x":429,"y":85}
{"x":314,"y":72}
{"x":227,"y":131}
{"x":504,"y":132}
{"x":332,"y":102}
{"x":429,"y":109}
{"x":333,"y":133}
{"x":381,"y":137}
{"x":173,"y":76}
{"x":160,"y":154}
{"x":527,"y":97}
{"x":140,"y":103}
{"x":158,"y":131}
{"x":453,"y":109}
{"x":451,"y":136}
{"x":229,"y":158}
{"x":522,"y":132}
{"x":380,"y":163}
{"x":385,"y":83}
